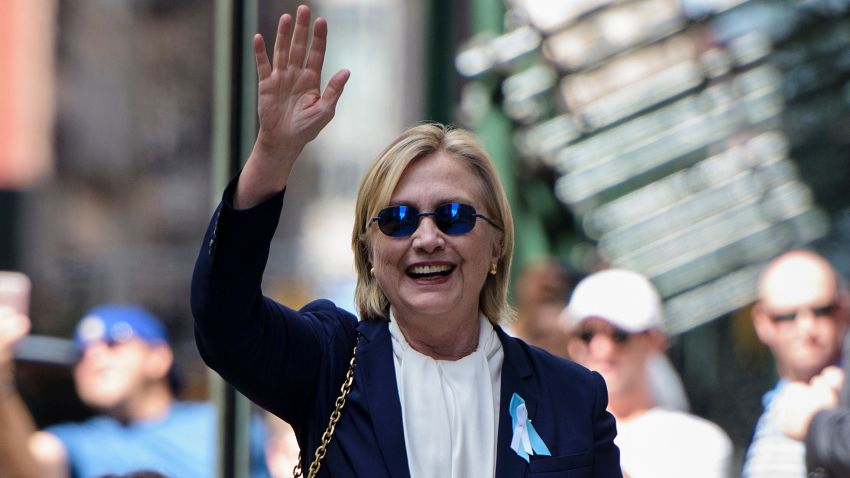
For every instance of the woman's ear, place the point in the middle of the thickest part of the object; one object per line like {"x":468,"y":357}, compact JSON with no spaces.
{"x":496,"y":250}
{"x":367,"y":251}
{"x":366,"y":255}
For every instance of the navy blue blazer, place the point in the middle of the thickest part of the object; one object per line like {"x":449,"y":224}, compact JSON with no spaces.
{"x":292,"y":363}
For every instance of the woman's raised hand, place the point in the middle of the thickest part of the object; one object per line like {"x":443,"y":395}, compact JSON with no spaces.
{"x":291,"y":107}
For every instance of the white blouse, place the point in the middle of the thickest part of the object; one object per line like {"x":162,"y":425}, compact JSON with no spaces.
{"x":450,"y":409}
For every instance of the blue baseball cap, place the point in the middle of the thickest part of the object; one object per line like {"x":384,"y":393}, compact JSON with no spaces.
{"x":116,"y":323}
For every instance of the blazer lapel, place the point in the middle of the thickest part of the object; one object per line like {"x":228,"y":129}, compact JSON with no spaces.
{"x":381,"y":392}
{"x":517,"y":377}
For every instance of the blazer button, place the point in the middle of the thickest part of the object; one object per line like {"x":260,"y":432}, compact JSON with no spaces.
{"x":211,"y":247}
{"x":818,"y":473}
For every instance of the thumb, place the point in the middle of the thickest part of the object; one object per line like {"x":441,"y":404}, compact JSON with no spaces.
{"x":831,"y":377}
{"x":334,"y":89}
{"x":13,"y":327}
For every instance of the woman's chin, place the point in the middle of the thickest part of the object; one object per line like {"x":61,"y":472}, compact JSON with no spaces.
{"x":428,"y":304}
{"x":431,"y":297}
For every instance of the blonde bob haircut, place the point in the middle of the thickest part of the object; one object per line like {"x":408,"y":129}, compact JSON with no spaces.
{"x":377,"y":188}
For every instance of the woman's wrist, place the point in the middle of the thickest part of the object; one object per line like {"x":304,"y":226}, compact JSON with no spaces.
{"x":270,"y":147}
{"x":264,"y":175}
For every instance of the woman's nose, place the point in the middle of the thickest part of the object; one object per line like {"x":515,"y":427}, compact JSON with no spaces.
{"x":427,"y":236}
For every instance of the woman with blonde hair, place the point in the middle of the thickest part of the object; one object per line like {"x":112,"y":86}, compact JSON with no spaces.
{"x":426,"y":384}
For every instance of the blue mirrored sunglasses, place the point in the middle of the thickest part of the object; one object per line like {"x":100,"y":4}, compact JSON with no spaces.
{"x":452,"y":218}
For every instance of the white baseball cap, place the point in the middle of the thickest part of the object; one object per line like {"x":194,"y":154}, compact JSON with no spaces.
{"x":624,"y":298}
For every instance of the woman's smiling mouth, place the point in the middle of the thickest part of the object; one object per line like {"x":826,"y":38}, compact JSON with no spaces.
{"x":429,"y":271}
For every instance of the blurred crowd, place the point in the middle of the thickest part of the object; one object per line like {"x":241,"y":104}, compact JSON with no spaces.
{"x":124,"y":372}
{"x":611,"y":321}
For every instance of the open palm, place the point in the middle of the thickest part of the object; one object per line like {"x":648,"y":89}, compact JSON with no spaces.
{"x":291,"y":107}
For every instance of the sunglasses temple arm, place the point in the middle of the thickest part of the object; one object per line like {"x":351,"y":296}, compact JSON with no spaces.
{"x":489,"y":221}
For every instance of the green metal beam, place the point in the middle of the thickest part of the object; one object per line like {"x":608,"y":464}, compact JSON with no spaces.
{"x":439,"y":97}
{"x":234,"y":131}
{"x":495,"y":130}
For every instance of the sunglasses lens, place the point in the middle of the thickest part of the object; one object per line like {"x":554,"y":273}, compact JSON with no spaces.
{"x":789,"y":317}
{"x":455,"y":218}
{"x":824,"y":311}
{"x":398,"y":221}
{"x":402,"y":221}
{"x":620,"y":336}
{"x":617,"y":336}
{"x":820,"y":312}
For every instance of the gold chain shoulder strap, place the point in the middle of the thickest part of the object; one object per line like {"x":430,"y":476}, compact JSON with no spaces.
{"x":329,"y":432}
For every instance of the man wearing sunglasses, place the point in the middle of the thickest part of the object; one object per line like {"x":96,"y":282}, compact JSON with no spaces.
{"x":542,"y":290}
{"x":615,"y":320}
{"x":801,"y":315}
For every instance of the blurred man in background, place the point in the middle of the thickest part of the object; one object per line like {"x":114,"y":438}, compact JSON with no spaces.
{"x":615,"y":319}
{"x":801,"y":315}
{"x":125,"y":373}
{"x":541,"y":294}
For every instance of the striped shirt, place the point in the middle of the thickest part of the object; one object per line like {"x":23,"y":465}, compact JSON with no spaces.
{"x":771,"y":453}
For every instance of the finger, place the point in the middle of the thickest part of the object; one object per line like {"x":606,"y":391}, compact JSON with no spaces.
{"x":22,"y":326}
{"x":316,"y":57}
{"x":13,"y":326}
{"x":281,"y":42}
{"x":260,"y":57}
{"x":838,"y":378}
{"x":298,"y":50}
{"x":831,"y":377}
{"x":833,"y":373}
{"x":334,"y":89}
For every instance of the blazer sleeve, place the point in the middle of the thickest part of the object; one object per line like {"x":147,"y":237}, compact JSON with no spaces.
{"x":828,"y":442}
{"x":269,"y":352}
{"x":606,"y":455}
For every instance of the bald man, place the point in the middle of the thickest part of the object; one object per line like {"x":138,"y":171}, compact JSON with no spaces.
{"x":802,"y":316}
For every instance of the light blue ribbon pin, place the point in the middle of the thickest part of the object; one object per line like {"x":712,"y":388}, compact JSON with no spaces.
{"x":525,"y":439}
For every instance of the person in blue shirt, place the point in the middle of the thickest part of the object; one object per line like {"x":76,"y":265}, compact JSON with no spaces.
{"x":125,"y":373}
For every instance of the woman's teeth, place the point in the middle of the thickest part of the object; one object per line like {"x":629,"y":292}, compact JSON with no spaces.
{"x":424,"y":271}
